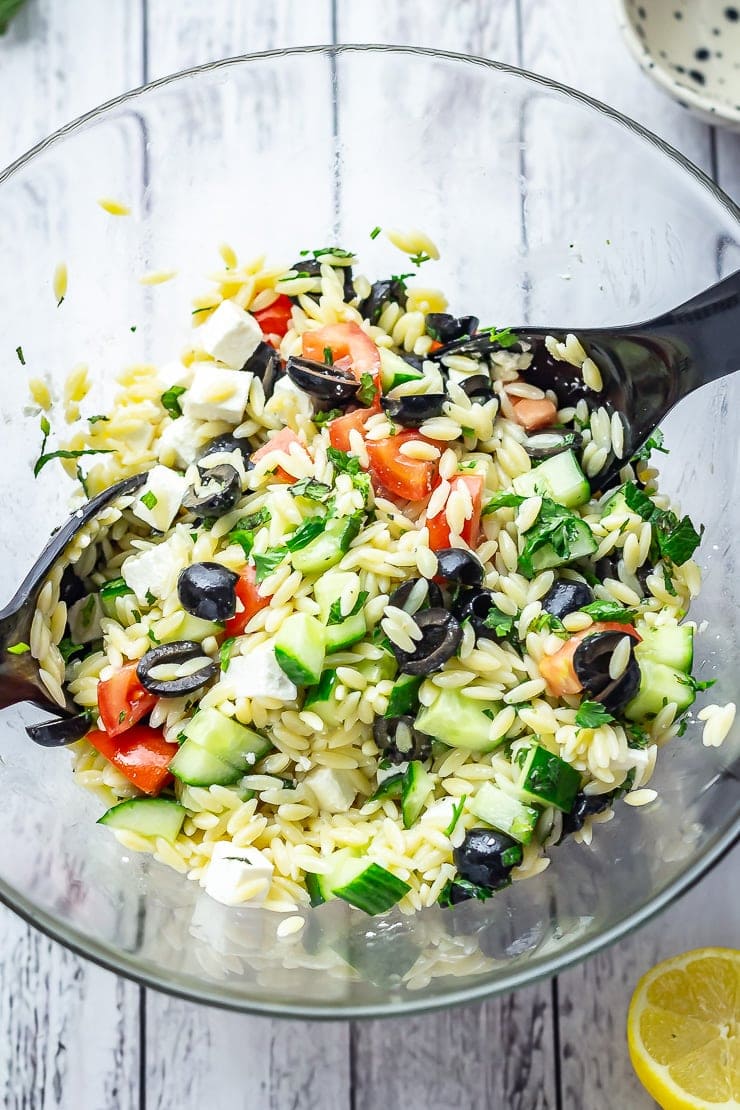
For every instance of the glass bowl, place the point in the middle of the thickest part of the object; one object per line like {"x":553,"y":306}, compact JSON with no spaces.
{"x":547,"y":208}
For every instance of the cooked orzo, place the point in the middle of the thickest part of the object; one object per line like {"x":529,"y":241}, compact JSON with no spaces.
{"x":391,"y":614}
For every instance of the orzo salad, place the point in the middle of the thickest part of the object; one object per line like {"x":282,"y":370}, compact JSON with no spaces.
{"x":376,"y":626}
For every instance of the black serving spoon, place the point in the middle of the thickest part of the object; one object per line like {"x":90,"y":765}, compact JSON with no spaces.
{"x":647,"y":368}
{"x":19,"y":674}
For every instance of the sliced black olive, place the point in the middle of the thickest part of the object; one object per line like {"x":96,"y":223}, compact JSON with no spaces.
{"x":60,"y":731}
{"x":474,"y":346}
{"x":312,"y":268}
{"x":446,"y":328}
{"x":208,"y":591}
{"x":565,"y":597}
{"x":228,"y":443}
{"x":585,"y":805}
{"x":591,"y":664}
{"x":458,"y":565}
{"x":413,"y":360}
{"x":400,"y":596}
{"x":550,"y":442}
{"x":412,"y":411}
{"x":325,"y":383}
{"x":264,"y":363}
{"x":222,"y":488}
{"x":486,"y":858}
{"x":180,"y":651}
{"x":399,"y":741}
{"x":474,"y":605}
{"x":563,"y":379}
{"x":478,"y":388}
{"x":607,"y":566}
{"x":71,"y":588}
{"x":382,"y":293}
{"x":441,"y":636}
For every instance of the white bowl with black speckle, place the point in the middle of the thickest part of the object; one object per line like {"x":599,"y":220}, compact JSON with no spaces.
{"x":692,"y":49}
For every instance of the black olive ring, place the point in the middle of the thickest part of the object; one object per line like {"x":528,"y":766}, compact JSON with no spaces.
{"x":180,"y":651}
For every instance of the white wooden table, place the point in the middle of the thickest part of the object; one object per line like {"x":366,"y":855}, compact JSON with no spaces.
{"x":76,"y":1037}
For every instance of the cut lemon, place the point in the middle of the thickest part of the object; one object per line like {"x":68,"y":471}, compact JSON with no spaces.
{"x":683,"y":1030}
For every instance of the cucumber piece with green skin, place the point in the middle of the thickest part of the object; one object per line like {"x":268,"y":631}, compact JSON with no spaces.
{"x":195,"y":766}
{"x":503,"y":812}
{"x":313,"y":886}
{"x":671,"y":644}
{"x":659,"y":684}
{"x":458,"y":722}
{"x":616,"y":503}
{"x":547,"y":780}
{"x":362,"y":883}
{"x":322,"y":691}
{"x":227,"y":739}
{"x":300,"y":648}
{"x":324,"y":552}
{"x":147,"y":817}
{"x":559,"y":478}
{"x":189,"y":628}
{"x":584,"y":544}
{"x":394,"y":370}
{"x":375,"y":670}
{"x":347,"y":632}
{"x":392,"y":787}
{"x":416,"y":787}
{"x":404,"y":697}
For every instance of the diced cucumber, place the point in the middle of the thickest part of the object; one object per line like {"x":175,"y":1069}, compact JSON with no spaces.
{"x":457,"y":721}
{"x":363,"y":884}
{"x":189,"y":628}
{"x":394,"y":370}
{"x":227,"y":739}
{"x":504,"y":812}
{"x":584,"y":544}
{"x":195,"y":766}
{"x":548,"y":780}
{"x":672,"y":644}
{"x":322,"y":691}
{"x":313,"y":886}
{"x":328,"y":590}
{"x":416,"y":788}
{"x":392,"y":787}
{"x":404,"y":697}
{"x":347,"y":632}
{"x":324,"y":552}
{"x":559,"y":478}
{"x":615,"y":503}
{"x":375,"y":670}
{"x":147,"y":817}
{"x":659,"y":684}
{"x":300,"y":648}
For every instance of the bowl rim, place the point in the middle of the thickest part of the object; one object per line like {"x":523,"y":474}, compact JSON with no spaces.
{"x":121,"y":963}
{"x":710,"y":109}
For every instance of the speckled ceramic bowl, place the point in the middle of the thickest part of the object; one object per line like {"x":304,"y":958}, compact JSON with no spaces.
{"x":692,"y":49}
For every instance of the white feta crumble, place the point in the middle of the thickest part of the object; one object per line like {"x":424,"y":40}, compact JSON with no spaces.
{"x":230,"y":335}
{"x":333,"y":789}
{"x":154,"y":570}
{"x":237,"y":876}
{"x":181,"y":441}
{"x":258,"y":674}
{"x":84,"y":619}
{"x":217,"y":393}
{"x":441,"y":810}
{"x":384,"y":773}
{"x":286,"y":390}
{"x":159,"y":499}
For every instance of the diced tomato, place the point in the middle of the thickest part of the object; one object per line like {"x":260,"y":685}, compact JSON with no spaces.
{"x":143,"y":756}
{"x":534,"y":414}
{"x":558,"y":670}
{"x":252,"y":601}
{"x":436,"y":346}
{"x":340,"y":428}
{"x":344,"y":340}
{"x":281,"y":442}
{"x":275,"y":319}
{"x":122,"y":700}
{"x":410,"y":479}
{"x":439,"y":529}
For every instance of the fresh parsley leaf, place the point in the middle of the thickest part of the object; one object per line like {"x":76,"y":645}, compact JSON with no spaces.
{"x":122,"y":716}
{"x":547,"y":622}
{"x":171,"y":400}
{"x":638,"y":501}
{"x":321,"y":418}
{"x":254,"y":520}
{"x":609,"y":611}
{"x":244,"y":538}
{"x":512,"y":856}
{"x":591,"y":714}
{"x":67,"y":648}
{"x":335,"y":612}
{"x":42,"y":460}
{"x":375,"y":232}
{"x":152,"y":637}
{"x":464,"y":887}
{"x":652,"y":443}
{"x":668,"y":582}
{"x":500,"y":623}
{"x":82,"y":479}
{"x":680,"y":542}
{"x":420,"y":258}
{"x":636,"y":736}
{"x":401,"y":279}
{"x":19,"y":649}
{"x":21,"y":359}
{"x":116,"y":587}
{"x":556,"y":527}
{"x":308,"y":531}
{"x":225,"y":652}
{"x":502,"y":501}
{"x":312,"y":489}
{"x":674,"y":539}
{"x":267,"y":564}
{"x":149,"y":597}
{"x":328,"y":356}
{"x":97,"y":418}
{"x":368,"y":391}
{"x":696,"y":684}
{"x":456,"y":814}
{"x":8,"y":9}
{"x":505,"y":338}
{"x":197,"y":311}
{"x":343,"y":462}
{"x":149,"y":499}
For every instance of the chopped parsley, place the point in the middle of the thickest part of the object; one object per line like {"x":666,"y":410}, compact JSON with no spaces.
{"x":375,"y":232}
{"x":82,"y":479}
{"x":295,"y":274}
{"x":311,"y":488}
{"x":267,"y":564}
{"x":343,"y":462}
{"x":556,"y":527}
{"x":133,"y":327}
{"x":21,"y":359}
{"x":116,"y":587}
{"x":696,"y":684}
{"x":87,"y":611}
{"x":68,"y":648}
{"x":652,"y":443}
{"x":328,"y":356}
{"x":43,"y":459}
{"x":197,"y":311}
{"x":19,"y":649}
{"x":420,"y":258}
{"x":337,"y":252}
{"x":500,"y":623}
{"x":335,"y":612}
{"x":368,"y":390}
{"x":609,"y":611}
{"x":171,"y":400}
{"x":548,"y":622}
{"x":152,"y":637}
{"x":503,"y":501}
{"x":122,"y":716}
{"x":255,"y":519}
{"x":149,"y":499}
{"x":668,"y":582}
{"x":308,"y":531}
{"x":321,"y":418}
{"x":244,"y":538}
{"x":636,"y":736}
{"x":673,"y":539}
{"x":97,"y":418}
{"x":401,"y":279}
{"x":225,"y":652}
{"x":456,"y":815}
{"x":464,"y":886}
{"x":591,"y":714}
{"x":505,"y":338}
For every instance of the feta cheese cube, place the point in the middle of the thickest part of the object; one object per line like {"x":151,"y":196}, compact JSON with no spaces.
{"x":237,"y":876}
{"x":288,"y":399}
{"x":155,"y":569}
{"x":84,"y":619}
{"x":159,"y":501}
{"x":174,"y":373}
{"x":441,"y":811}
{"x":333,"y":789}
{"x":217,"y":393}
{"x":181,"y":441}
{"x":230,"y":335}
{"x":384,"y":773}
{"x":259,"y":674}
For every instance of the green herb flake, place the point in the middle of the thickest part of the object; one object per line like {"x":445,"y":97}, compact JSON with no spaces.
{"x":244,"y":538}
{"x":225,"y":652}
{"x":456,"y":815}
{"x":505,"y":338}
{"x":43,"y":459}
{"x":308,"y":531}
{"x":312,"y":489}
{"x":19,"y":649}
{"x":68,"y":648}
{"x":591,"y":714}
{"x":512,"y":856}
{"x":122,"y":716}
{"x":637,"y":737}
{"x":116,"y":587}
{"x":343,"y":462}
{"x":668,"y":582}
{"x":472,"y":890}
{"x":401,"y":279}
{"x":149,"y":597}
{"x":88,"y":610}
{"x":149,"y":499}
{"x":420,"y":258}
{"x":696,"y":684}
{"x":255,"y":520}
{"x":328,"y":356}
{"x":132,"y":328}
{"x":206,"y":308}
{"x":170,"y":400}
{"x":267,"y":564}
{"x":652,"y":443}
{"x":556,"y":527}
{"x":609,"y":611}
{"x":673,"y":539}
{"x":82,"y":479}
{"x":152,"y":637}
{"x":322,"y":418}
{"x":502,"y":501}
{"x":375,"y":232}
{"x":335,"y":612}
{"x":21,"y":358}
{"x":500,"y":623}
{"x":368,"y":391}
{"x":97,"y":418}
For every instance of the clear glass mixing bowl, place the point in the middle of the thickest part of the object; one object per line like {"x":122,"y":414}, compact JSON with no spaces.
{"x":547,"y":207}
